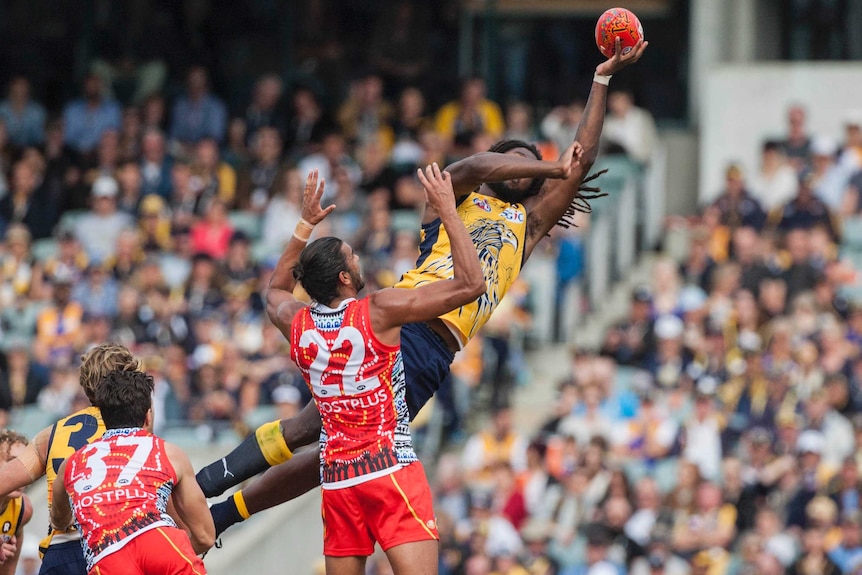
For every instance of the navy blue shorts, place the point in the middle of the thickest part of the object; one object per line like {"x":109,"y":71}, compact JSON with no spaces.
{"x":64,"y":559}
{"x":427,"y":359}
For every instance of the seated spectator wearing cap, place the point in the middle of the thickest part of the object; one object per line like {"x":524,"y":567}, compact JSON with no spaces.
{"x":812,"y":473}
{"x":659,"y":558}
{"x":238,"y":265}
{"x":702,"y":432}
{"x":671,"y":358}
{"x":630,"y":341}
{"x":99,"y":229}
{"x":598,"y":540}
{"x":736,"y":206}
{"x":836,"y":430}
{"x":59,"y":325}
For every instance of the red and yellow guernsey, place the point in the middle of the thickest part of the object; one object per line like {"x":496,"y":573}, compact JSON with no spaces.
{"x":119,"y":488}
{"x":359,"y":386}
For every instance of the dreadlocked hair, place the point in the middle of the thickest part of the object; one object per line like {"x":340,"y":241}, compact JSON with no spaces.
{"x":581,"y":201}
{"x":8,"y":438}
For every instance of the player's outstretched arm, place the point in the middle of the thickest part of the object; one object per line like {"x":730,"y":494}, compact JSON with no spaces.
{"x":189,"y":501}
{"x":281,"y":305}
{"x":489,"y":167}
{"x":29,"y":466}
{"x":394,"y":307}
{"x":552,"y":203}
{"x":61,"y":510}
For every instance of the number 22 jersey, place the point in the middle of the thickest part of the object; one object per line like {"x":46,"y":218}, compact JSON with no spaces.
{"x":119,"y":487}
{"x":359,"y":386}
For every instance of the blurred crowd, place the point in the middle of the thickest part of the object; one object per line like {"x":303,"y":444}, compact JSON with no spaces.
{"x":718,"y":430}
{"x":156,"y":224}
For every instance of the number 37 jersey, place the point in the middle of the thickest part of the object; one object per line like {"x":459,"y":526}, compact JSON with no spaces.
{"x":119,"y":488}
{"x":359,"y":386}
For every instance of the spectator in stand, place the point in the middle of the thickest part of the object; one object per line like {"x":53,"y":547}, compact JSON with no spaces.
{"x":805,"y":211}
{"x":305,"y":124}
{"x":198,"y":114}
{"x":830,"y":178}
{"x":155,"y":164}
{"x":99,"y":229}
{"x":798,"y":143}
{"x":561,"y":124}
{"x":472,"y":113}
{"x":498,"y":444}
{"x":212,"y":234}
{"x":59,"y":325}
{"x":211,"y":178}
{"x":366,"y":115}
{"x":332,"y":156}
{"x":736,"y":206}
{"x":21,"y":377}
{"x":86,"y":119}
{"x":630,"y":127}
{"x":776,"y":183}
{"x":256,"y":185}
{"x":283,"y":210}
{"x":631,"y":340}
{"x":24,"y":118}
{"x":20,"y":273}
{"x":25,"y":203}
{"x":519,"y":123}
{"x":129,"y":180}
{"x":264,"y":111}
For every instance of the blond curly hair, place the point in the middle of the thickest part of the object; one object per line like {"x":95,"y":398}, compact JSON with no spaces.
{"x":8,"y":438}
{"x":102,"y":359}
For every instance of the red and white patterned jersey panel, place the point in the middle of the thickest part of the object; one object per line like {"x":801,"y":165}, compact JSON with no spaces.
{"x":359,"y":387}
{"x":119,"y":488}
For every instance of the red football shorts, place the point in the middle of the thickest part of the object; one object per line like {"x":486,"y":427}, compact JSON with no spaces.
{"x":391,"y":510}
{"x":159,"y":550}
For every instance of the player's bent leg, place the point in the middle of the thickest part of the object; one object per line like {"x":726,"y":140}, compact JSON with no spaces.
{"x":278,"y":485}
{"x":272,"y":443}
{"x":345,"y":565}
{"x":417,"y":558}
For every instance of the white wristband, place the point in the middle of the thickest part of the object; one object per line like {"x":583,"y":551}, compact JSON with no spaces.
{"x":603,"y":80}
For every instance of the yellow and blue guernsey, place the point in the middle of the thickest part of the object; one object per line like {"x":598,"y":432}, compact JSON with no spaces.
{"x":498,"y":230}
{"x":69,"y":435}
{"x":11,"y":518}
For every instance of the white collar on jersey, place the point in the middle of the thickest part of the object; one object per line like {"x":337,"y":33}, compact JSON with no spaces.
{"x":326,"y":309}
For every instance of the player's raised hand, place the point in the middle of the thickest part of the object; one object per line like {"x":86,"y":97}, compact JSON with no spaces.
{"x":312,"y":212}
{"x":570,"y":158}
{"x":617,"y":62}
{"x":438,"y":188}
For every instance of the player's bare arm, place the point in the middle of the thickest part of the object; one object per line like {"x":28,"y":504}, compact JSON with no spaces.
{"x":28,"y":466}
{"x":556,"y":197}
{"x":189,"y":501}
{"x":61,"y":510}
{"x":281,"y":305}
{"x":473,"y":171}
{"x":394,"y":307}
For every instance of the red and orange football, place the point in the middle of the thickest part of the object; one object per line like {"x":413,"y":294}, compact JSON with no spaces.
{"x":614,"y":23}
